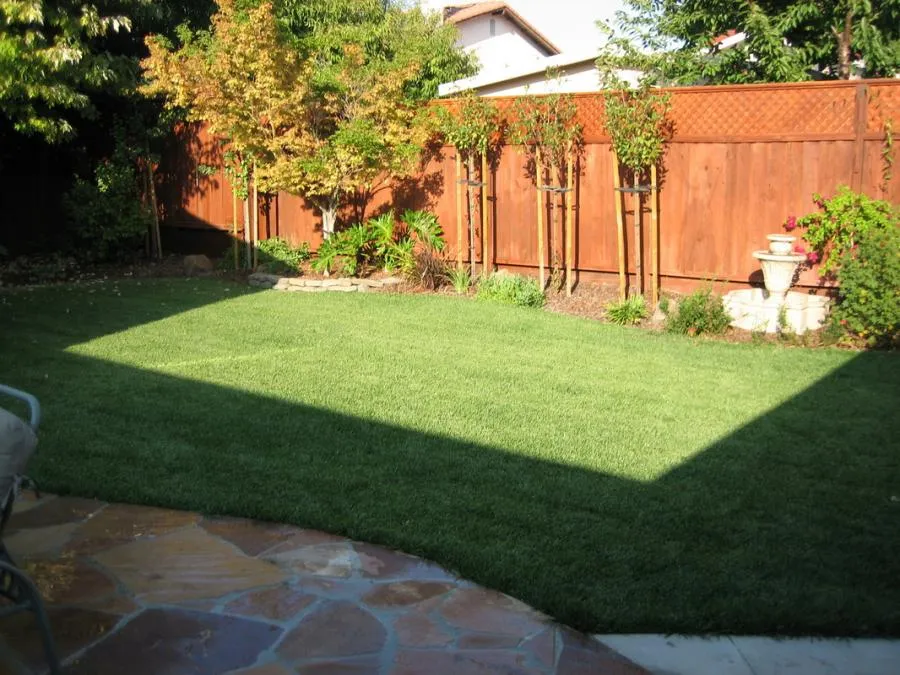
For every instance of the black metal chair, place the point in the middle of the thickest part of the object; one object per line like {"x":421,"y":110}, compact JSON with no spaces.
{"x":18,"y":440}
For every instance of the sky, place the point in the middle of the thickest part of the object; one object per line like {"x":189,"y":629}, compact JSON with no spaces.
{"x":569,"y":24}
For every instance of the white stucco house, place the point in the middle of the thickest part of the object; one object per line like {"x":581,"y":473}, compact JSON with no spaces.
{"x":515,"y":55}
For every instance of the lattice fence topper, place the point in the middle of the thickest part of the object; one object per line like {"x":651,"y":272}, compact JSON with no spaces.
{"x":884,"y":105}
{"x":747,"y":112}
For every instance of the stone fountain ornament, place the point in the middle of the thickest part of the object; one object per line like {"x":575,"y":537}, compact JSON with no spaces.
{"x":766,"y":309}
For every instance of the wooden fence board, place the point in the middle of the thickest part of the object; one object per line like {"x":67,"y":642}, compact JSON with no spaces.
{"x":742,"y":160}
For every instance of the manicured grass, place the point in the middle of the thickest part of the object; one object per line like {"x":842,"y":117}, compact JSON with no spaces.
{"x":620,"y":480}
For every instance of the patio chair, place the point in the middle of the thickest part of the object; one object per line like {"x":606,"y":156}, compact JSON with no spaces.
{"x":18,"y":440}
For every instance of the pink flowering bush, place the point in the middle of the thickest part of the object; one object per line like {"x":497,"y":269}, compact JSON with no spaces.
{"x":833,"y":230}
{"x":857,"y":241}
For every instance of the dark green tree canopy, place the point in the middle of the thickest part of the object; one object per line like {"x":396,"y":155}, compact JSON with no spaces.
{"x":678,"y":41}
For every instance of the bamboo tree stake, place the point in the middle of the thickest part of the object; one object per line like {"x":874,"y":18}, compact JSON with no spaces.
{"x":485,"y":218}
{"x":539,"y":175}
{"x":246,"y":206}
{"x":638,"y":240}
{"x":553,"y":244}
{"x":255,"y":219}
{"x":654,"y":235}
{"x":459,"y":212}
{"x":234,"y":228}
{"x":570,"y":221}
{"x":620,"y":225}
{"x":470,"y":200}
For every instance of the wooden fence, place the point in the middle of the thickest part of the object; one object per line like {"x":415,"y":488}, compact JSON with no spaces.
{"x":742,"y":159}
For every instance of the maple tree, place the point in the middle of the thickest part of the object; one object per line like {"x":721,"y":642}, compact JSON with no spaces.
{"x":320,"y":125}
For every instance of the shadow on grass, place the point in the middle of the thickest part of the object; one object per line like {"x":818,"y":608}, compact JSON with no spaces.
{"x":762,"y":532}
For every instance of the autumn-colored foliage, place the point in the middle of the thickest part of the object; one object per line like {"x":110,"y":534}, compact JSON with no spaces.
{"x":322,"y":129}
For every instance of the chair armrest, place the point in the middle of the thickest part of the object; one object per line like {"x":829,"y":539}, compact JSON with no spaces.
{"x":34,"y":405}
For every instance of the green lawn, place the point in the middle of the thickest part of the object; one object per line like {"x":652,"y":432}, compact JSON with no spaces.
{"x":622,"y":481}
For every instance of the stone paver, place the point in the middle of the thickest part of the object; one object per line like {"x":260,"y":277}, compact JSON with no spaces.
{"x":338,"y":629}
{"x":178,"y":642}
{"x":141,"y":590}
{"x":185,"y":565}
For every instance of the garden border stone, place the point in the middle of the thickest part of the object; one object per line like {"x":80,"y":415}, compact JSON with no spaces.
{"x":338,"y":285}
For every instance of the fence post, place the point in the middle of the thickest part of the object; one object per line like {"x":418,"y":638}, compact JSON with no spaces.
{"x":860,"y":122}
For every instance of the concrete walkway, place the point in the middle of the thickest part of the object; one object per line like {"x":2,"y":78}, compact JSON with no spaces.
{"x":681,"y":655}
{"x":145,"y":591}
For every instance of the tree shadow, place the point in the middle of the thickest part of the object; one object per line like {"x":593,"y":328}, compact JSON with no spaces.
{"x":775,"y":528}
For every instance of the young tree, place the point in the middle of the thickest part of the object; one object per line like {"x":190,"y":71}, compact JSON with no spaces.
{"x":679,"y":41}
{"x":318,"y":124}
{"x":47,"y":62}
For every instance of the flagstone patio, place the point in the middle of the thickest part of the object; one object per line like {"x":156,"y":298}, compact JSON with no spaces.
{"x":146,"y":591}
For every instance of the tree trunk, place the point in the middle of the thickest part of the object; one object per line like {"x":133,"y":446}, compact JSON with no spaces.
{"x":329,"y":219}
{"x":844,"y":39}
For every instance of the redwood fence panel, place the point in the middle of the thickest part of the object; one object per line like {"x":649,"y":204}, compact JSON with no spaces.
{"x":741,"y":160}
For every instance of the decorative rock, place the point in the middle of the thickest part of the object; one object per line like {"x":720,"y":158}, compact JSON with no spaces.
{"x":339,"y":629}
{"x":178,"y":641}
{"x":376,"y":562}
{"x":262,"y":279}
{"x":197,"y":264}
{"x":301,"y":538}
{"x":342,"y":284}
{"x":327,"y":560}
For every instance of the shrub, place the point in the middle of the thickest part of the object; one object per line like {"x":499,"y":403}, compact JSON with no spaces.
{"x":839,"y":223}
{"x":511,"y":289}
{"x":700,"y":312}
{"x":460,"y":279}
{"x":413,"y":250}
{"x":277,"y":255}
{"x":869,"y":295}
{"x":106,"y":213}
{"x":627,"y":312}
